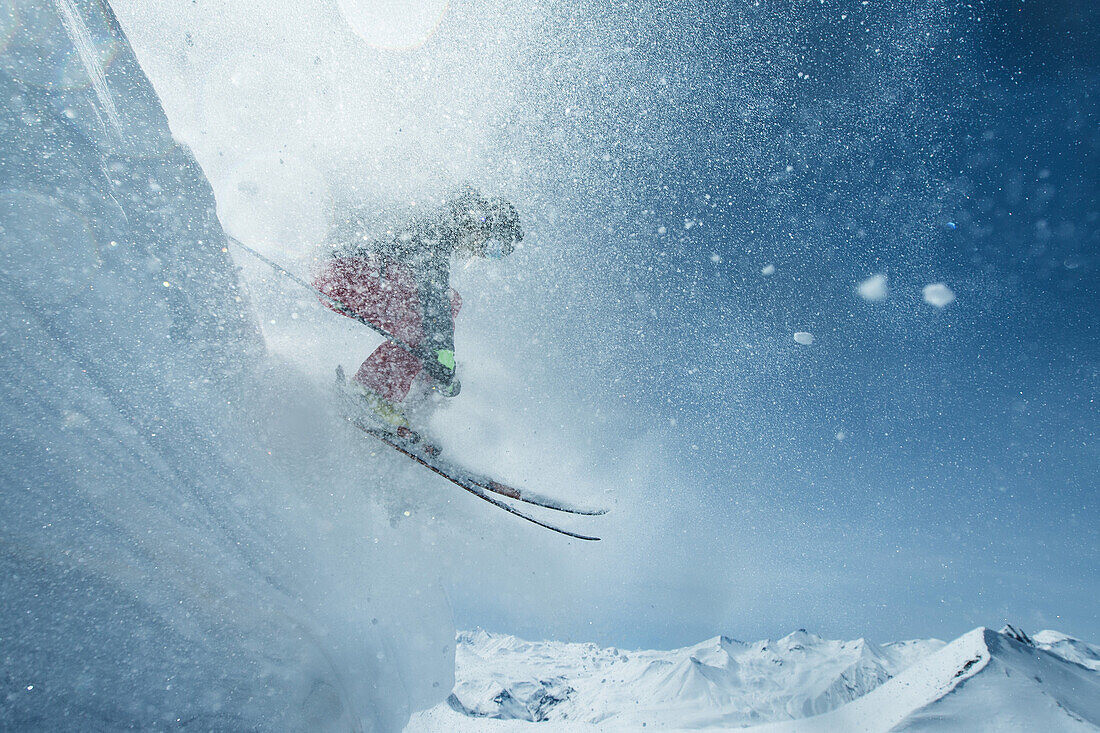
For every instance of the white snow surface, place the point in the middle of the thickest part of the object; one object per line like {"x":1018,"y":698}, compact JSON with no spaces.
{"x":983,"y":681}
{"x":191,"y":538}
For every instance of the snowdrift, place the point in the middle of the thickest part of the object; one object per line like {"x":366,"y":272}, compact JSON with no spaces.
{"x":188,"y":537}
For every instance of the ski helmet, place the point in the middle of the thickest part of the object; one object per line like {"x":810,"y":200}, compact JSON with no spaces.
{"x":501,"y":224}
{"x":492,"y":222}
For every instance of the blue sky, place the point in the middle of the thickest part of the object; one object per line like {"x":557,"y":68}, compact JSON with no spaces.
{"x":929,"y":143}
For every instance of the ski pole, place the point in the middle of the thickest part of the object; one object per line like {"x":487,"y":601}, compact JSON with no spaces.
{"x":340,"y":306}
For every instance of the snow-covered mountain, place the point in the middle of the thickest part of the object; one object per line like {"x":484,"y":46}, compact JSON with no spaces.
{"x":720,"y":681}
{"x":1075,"y":650}
{"x":985,"y":680}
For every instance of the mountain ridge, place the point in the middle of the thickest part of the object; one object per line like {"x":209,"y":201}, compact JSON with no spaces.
{"x":984,"y":680}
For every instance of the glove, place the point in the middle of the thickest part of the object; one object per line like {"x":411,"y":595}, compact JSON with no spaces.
{"x":451,"y":387}
{"x":446,"y":357}
{"x":441,"y":368}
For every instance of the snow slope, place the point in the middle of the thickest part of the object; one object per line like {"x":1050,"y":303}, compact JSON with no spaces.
{"x":190,"y":538}
{"x":983,"y":681}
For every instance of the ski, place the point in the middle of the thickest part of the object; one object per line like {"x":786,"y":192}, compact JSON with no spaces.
{"x":462,"y":481}
{"x":484,"y":482}
{"x":529,"y":497}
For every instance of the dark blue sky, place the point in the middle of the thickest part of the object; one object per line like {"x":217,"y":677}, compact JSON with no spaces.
{"x":928,"y":142}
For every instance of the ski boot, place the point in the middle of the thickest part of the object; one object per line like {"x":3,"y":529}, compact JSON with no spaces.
{"x":385,"y":414}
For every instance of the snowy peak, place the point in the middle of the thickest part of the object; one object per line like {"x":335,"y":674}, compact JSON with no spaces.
{"x":1012,"y":684}
{"x":800,"y":638}
{"x":1018,"y":634}
{"x":983,"y":681}
{"x":1069,"y":648}
{"x":718,"y":652}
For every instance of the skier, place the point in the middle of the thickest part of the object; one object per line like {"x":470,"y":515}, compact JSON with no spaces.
{"x":400,"y":285}
{"x":400,"y":282}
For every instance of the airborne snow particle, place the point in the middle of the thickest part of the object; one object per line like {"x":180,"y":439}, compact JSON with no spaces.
{"x":938,"y":294}
{"x":768,"y":270}
{"x":874,"y":288}
{"x":841,"y":435}
{"x":716,"y":258}
{"x":803,"y":337}
{"x":395,"y":25}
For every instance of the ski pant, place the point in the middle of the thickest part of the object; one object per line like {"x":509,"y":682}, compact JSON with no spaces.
{"x":386,"y":294}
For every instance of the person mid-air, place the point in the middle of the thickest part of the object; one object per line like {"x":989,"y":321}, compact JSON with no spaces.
{"x":400,"y":282}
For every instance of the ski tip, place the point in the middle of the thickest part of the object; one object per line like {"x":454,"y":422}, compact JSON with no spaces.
{"x":572,"y":509}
